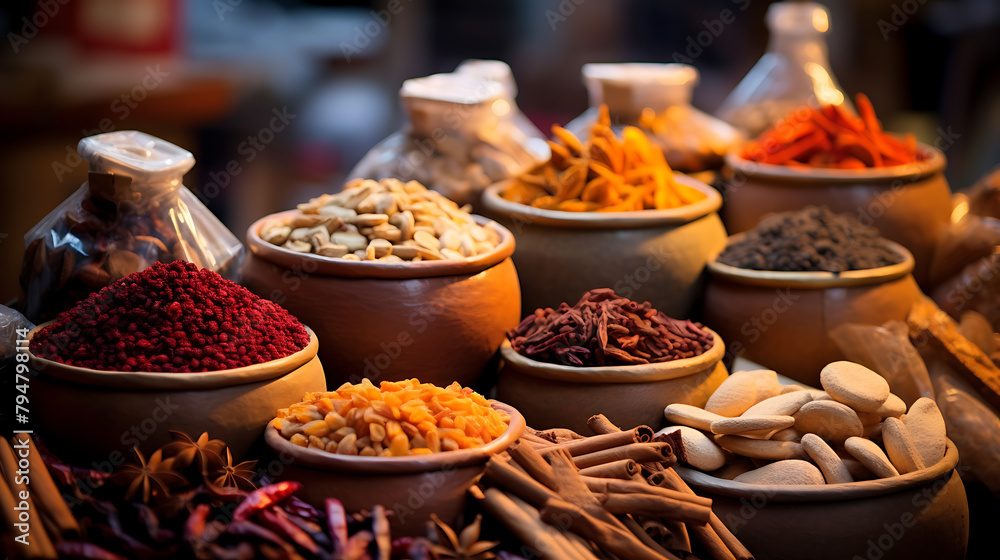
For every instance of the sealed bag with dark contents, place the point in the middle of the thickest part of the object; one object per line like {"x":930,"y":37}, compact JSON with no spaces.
{"x":813,"y":239}
{"x":603,"y":329}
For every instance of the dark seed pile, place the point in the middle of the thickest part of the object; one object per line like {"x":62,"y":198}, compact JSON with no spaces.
{"x":813,"y":239}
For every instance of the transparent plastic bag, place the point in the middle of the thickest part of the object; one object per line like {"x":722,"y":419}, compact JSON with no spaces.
{"x":657,"y":99}
{"x":10,"y":321}
{"x":498,"y":71}
{"x":888,"y":351}
{"x":460,"y":138}
{"x":10,"y":384}
{"x":973,"y":426}
{"x":131,"y":212}
{"x":795,"y":70}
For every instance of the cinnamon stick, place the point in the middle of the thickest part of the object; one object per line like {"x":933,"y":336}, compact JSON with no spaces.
{"x":619,"y":542}
{"x":517,"y":483}
{"x":576,"y":546}
{"x":623,"y":469}
{"x":532,"y":462}
{"x":593,"y":444}
{"x":533,"y":534}
{"x":39,"y":543}
{"x":570,"y":487}
{"x":732,"y":543}
{"x":643,"y":536}
{"x":651,"y":505}
{"x":558,"y":435}
{"x":712,"y":543}
{"x":638,"y":452}
{"x":600,"y":424}
{"x":612,"y":485}
{"x":45,"y":492}
{"x":670,"y":479}
{"x":673,"y":534}
{"x":535,"y":440}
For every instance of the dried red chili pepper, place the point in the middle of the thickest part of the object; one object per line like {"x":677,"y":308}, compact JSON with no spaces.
{"x":605,"y":329}
{"x":171,"y":317}
{"x":278,"y":522}
{"x":265,"y":497}
{"x":194,"y":526}
{"x":336,"y":520}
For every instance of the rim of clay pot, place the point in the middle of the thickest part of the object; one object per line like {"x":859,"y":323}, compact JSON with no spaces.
{"x":522,"y":213}
{"x":334,"y":463}
{"x":814,"y":280}
{"x":638,"y":373}
{"x":825,"y":492}
{"x":933,"y":162}
{"x":311,"y":263}
{"x":137,"y":380}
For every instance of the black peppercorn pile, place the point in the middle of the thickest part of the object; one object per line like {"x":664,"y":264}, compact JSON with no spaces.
{"x":812,"y":239}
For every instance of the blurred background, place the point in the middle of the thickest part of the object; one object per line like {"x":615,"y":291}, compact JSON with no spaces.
{"x":217,"y":76}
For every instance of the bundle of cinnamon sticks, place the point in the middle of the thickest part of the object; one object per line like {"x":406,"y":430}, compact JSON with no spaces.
{"x":33,"y":509}
{"x":612,"y":495}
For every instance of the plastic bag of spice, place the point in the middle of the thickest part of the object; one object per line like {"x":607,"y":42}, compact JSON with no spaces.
{"x":461,"y":137}
{"x":10,"y":323}
{"x":131,"y":212}
{"x":657,"y":99}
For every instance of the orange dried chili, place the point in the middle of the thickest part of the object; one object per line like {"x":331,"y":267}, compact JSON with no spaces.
{"x":831,"y":137}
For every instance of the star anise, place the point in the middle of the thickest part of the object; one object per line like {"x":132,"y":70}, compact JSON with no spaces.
{"x":153,"y":477}
{"x":236,"y":476}
{"x":466,"y":546}
{"x":204,"y":453}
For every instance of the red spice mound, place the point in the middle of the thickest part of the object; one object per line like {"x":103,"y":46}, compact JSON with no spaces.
{"x":171,"y":317}
{"x":830,"y":137}
{"x":605,"y":329}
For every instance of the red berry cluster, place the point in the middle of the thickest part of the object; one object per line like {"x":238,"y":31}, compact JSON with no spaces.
{"x":171,"y":317}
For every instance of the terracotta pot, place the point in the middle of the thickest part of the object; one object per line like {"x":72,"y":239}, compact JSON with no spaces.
{"x":411,"y":487}
{"x":97,"y":416}
{"x":650,"y":255}
{"x":909,"y":204}
{"x":780,"y":319}
{"x":923,"y":514}
{"x":440,"y":321}
{"x":558,"y":396}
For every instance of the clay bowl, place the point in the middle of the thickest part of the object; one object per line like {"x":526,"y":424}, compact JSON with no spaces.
{"x":558,"y":396}
{"x":909,"y":204}
{"x":98,"y":416}
{"x":650,"y":255}
{"x":923,"y":514}
{"x":780,"y":319}
{"x":441,"y":321}
{"x":412,"y":488}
